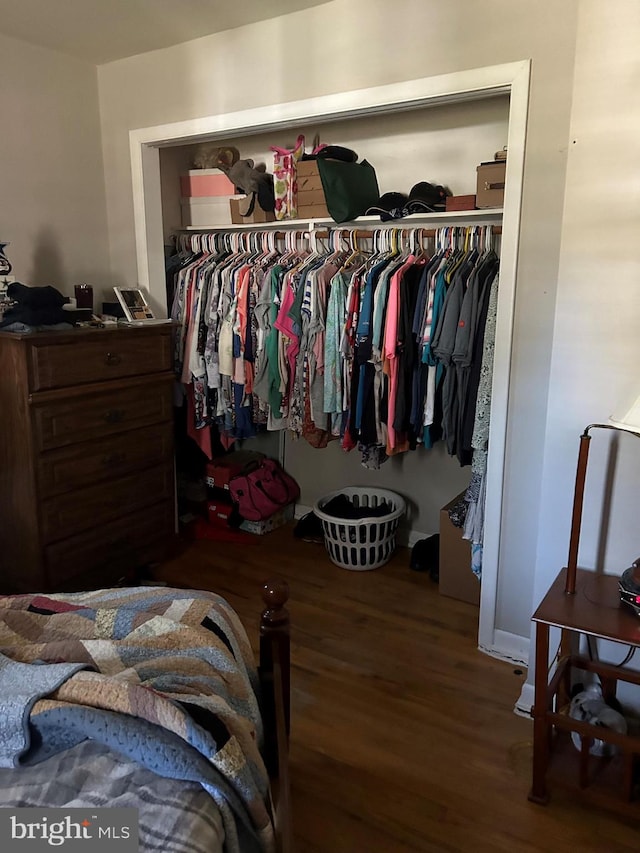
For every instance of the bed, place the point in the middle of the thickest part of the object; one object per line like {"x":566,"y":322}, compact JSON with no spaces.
{"x":148,"y":698}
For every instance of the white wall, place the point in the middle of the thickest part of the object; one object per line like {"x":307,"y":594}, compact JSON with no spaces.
{"x":352,"y":44}
{"x":53,"y":208}
{"x":596,"y":349}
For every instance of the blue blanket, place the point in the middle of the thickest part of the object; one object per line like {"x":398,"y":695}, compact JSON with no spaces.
{"x":21,"y":685}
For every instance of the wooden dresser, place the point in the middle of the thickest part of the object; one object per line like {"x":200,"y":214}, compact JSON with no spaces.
{"x":86,"y":456}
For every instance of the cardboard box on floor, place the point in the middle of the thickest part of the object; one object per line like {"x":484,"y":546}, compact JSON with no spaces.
{"x":259,"y":528}
{"x":456,"y":578}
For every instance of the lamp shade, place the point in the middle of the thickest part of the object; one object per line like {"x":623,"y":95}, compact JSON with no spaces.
{"x":627,"y":417}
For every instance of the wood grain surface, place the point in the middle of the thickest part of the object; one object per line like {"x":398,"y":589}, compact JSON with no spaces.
{"x":403,"y":736}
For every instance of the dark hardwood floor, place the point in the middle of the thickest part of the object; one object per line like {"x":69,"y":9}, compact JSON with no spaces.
{"x":403,"y":733}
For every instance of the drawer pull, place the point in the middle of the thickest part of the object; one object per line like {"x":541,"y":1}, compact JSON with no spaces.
{"x":113,"y":459}
{"x":112,"y":358}
{"x":114,"y":416}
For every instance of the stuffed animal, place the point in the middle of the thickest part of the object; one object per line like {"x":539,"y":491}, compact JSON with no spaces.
{"x":245,"y":175}
{"x":253,"y":181}
{"x":588,"y":706}
{"x":210,"y":156}
{"x":248,"y":178}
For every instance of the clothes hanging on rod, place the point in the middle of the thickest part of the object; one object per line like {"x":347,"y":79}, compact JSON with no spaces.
{"x":373,"y":339}
{"x":475,"y":494}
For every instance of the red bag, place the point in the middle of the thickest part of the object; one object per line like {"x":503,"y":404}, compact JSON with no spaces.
{"x":263,"y":491}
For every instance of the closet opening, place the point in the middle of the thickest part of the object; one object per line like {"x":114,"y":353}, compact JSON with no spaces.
{"x":442,"y":144}
{"x":439,"y":130}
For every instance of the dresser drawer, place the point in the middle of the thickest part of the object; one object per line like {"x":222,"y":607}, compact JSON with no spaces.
{"x":83,"y":418}
{"x":94,"y":461}
{"x":89,"y":508}
{"x":112,"y":355}
{"x":105,"y":554}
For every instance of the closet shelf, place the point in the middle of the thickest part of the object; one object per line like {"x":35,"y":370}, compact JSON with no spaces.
{"x":454,"y":217}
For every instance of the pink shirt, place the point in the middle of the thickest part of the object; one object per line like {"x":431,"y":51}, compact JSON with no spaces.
{"x":284,"y":324}
{"x":390,"y":346}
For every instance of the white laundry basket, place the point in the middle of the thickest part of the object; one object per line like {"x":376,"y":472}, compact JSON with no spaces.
{"x":364,"y":543}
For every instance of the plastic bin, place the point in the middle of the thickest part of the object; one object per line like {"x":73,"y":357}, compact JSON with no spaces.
{"x":364,"y":543}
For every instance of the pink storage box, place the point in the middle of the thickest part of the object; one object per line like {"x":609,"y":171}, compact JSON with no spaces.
{"x":200,"y":183}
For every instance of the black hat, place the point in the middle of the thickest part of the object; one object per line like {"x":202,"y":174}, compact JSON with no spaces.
{"x":390,"y":206}
{"x":337,"y":152}
{"x":333,"y":152}
{"x":426,"y":198}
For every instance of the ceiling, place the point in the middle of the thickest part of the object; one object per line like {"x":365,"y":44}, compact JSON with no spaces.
{"x":100,"y":31}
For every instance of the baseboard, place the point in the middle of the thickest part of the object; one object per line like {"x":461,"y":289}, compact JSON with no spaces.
{"x":508,"y":647}
{"x":411,"y":537}
{"x":301,"y":510}
{"x":524,"y":705}
{"x":513,"y":649}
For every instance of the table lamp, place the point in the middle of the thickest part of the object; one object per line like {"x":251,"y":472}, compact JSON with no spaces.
{"x":627,"y":420}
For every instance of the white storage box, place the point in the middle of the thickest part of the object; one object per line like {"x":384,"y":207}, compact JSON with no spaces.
{"x":206,"y":210}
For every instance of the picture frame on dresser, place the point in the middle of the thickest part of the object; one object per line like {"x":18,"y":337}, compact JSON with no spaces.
{"x":134,"y":304}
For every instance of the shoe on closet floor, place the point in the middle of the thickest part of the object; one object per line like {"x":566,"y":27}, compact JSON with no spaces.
{"x":309,"y":529}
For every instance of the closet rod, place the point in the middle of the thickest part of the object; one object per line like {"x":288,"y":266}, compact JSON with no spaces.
{"x":280,"y":235}
{"x":424,"y":232}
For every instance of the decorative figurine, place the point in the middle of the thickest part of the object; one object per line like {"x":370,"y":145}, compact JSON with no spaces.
{"x":5,"y":266}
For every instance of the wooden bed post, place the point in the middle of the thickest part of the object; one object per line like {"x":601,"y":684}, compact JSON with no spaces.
{"x":274,"y":638}
{"x":275,"y":682}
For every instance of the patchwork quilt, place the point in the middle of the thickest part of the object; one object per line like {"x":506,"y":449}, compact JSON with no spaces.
{"x":162,"y":676}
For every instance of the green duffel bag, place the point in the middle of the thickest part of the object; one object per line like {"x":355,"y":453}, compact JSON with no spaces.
{"x":349,"y":188}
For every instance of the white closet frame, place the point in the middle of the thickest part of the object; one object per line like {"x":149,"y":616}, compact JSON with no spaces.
{"x":510,"y":79}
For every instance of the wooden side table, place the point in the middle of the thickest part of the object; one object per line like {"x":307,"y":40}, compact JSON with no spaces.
{"x":594,"y":610}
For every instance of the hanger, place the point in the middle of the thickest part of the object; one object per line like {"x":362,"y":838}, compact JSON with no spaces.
{"x":254,"y":247}
{"x":265,"y":250}
{"x":312,"y":236}
{"x":336,"y":251}
{"x":352,"y":242}
{"x":488,"y":238}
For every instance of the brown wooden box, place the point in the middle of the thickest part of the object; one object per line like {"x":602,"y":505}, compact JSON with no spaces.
{"x":306,"y":197}
{"x":460,"y":202}
{"x":308,"y":169}
{"x":313,"y":211}
{"x":456,"y":578}
{"x":311,"y":199}
{"x":490,"y":187}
